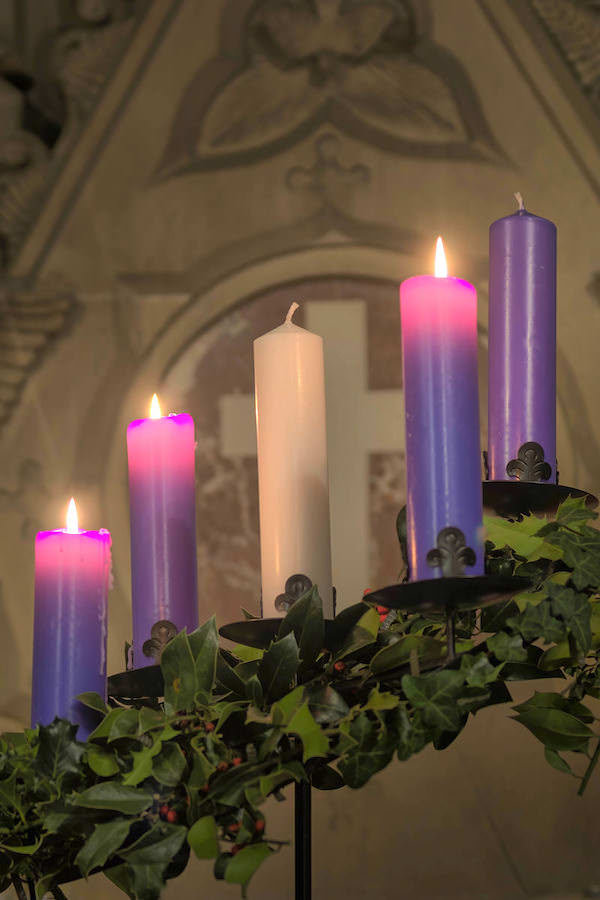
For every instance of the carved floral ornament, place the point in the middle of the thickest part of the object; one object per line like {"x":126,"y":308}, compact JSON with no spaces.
{"x":360,"y":65}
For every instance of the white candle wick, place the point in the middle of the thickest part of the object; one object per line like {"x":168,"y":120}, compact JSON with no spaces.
{"x":290,"y":313}
{"x":519,"y":198}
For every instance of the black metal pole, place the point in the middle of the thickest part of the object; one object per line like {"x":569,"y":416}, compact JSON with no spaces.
{"x":450,"y":635}
{"x":302,"y":840}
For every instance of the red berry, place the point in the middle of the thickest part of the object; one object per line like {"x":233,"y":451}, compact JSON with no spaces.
{"x":367,"y":591}
{"x":235,"y":827}
{"x":382,"y":609}
{"x":210,"y":726}
{"x":204,"y":789}
{"x":223,"y":766}
{"x":164,"y":811}
{"x":382,"y":617}
{"x":171,"y":816}
{"x":339,"y":666}
{"x":260,"y":825}
{"x":237,"y":760}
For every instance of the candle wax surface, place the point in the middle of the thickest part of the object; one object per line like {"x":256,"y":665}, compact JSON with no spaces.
{"x":439,"y":340}
{"x":162,"y":492}
{"x":72,"y":574}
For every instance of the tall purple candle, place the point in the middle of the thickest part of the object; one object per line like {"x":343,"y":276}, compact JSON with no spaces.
{"x":72,"y":569}
{"x":443,"y":469}
{"x":162,"y":499}
{"x":522,"y":348}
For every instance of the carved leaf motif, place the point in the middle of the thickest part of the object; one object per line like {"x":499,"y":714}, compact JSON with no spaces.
{"x":300,"y":33}
{"x":398,"y":95}
{"x":259,"y":106}
{"x":576,"y":28}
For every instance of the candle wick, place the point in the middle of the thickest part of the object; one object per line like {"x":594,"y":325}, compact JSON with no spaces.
{"x":291,"y":311}
{"x":519,"y":198}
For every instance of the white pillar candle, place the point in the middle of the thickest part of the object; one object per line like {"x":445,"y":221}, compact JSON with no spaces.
{"x":292,"y":462}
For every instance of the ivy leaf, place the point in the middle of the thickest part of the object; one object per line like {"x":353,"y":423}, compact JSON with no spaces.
{"x":574,"y":512}
{"x":551,"y":700}
{"x":556,"y":761}
{"x":204,"y":645}
{"x":538,"y":621}
{"x":58,"y":753}
{"x":124,"y":725}
{"x":522,"y":537}
{"x":507,"y":647}
{"x":242,"y":867}
{"x":362,"y":634}
{"x":179,"y":673}
{"x":104,"y":840}
{"x":93,"y":701}
{"x":581,"y":552}
{"x":435,"y":696}
{"x":203,"y":838}
{"x":478,"y":670}
{"x":576,"y":612}
{"x":120,"y":797}
{"x":149,"y":857}
{"x":169,"y":765}
{"x":373,"y":751}
{"x":305,"y":619}
{"x":102,"y":762}
{"x":279,"y":666}
{"x":556,"y":729}
{"x":379,"y":701}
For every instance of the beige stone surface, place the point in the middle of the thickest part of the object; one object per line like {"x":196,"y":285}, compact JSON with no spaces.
{"x":167,"y":270}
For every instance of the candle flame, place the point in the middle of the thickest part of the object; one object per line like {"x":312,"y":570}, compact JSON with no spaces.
{"x":72,"y":521}
{"x":441,"y":266}
{"x":155,"y":412}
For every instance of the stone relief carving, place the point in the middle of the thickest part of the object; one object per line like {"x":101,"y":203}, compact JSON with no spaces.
{"x":29,"y":324}
{"x":574,"y":26}
{"x":25,"y":499}
{"x":360,"y":65}
{"x":45,"y":102}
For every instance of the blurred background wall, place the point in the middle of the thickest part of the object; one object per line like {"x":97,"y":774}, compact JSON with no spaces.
{"x":173,"y":173}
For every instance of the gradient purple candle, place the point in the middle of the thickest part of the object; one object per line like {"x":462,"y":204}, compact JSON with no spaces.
{"x":443,"y":468}
{"x":522,"y":348}
{"x":72,"y":570}
{"x":162,"y":501}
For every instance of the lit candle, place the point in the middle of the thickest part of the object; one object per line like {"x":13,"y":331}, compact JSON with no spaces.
{"x":162,"y":503}
{"x":443,"y":469}
{"x":72,"y":569}
{"x":522,"y":348}
{"x":292,"y":463}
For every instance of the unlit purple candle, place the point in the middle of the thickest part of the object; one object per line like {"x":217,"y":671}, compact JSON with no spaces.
{"x":72,"y":570}
{"x":162,"y":499}
{"x":522,"y":348}
{"x":443,"y":469}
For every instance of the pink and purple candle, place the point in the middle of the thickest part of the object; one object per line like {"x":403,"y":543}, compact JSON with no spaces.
{"x":522,"y":348}
{"x":443,"y":467}
{"x":72,"y":571}
{"x":162,"y":497}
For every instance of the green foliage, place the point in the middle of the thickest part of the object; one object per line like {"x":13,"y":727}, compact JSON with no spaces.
{"x":150,"y":785}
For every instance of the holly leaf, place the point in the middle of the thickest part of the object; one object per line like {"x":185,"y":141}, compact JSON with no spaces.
{"x":556,"y":761}
{"x":522,"y":537}
{"x":305,"y":619}
{"x":398,"y":653}
{"x":169,"y":765}
{"x":244,"y":864}
{"x":204,"y":645}
{"x":58,"y":752}
{"x":576,"y":612}
{"x":279,"y":666}
{"x":119,"y":797}
{"x":179,"y":673}
{"x":104,"y":840}
{"x":379,"y":701}
{"x":314,"y":740}
{"x":574,"y":512}
{"x":124,"y":725}
{"x":362,"y":634}
{"x":551,"y":700}
{"x":142,"y":763}
{"x":156,"y":847}
{"x":435,"y":696}
{"x":325,"y":704}
{"x":203,"y":838}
